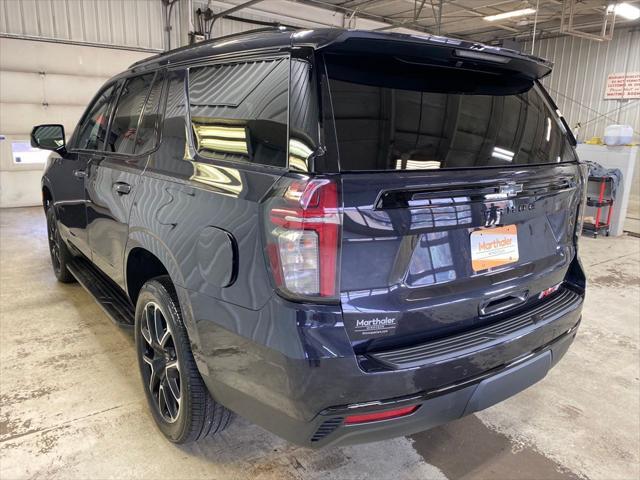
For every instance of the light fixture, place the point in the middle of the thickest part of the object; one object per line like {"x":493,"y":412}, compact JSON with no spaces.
{"x":502,"y":154}
{"x":512,"y":14}
{"x":624,"y":10}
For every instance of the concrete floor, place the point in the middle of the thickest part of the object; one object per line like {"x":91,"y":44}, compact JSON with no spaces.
{"x":72,"y":405}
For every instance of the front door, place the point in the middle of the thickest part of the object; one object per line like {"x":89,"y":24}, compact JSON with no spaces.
{"x":89,"y":138}
{"x":69,"y":203}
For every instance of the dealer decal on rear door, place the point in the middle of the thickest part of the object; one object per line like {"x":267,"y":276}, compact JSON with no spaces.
{"x":494,"y":247}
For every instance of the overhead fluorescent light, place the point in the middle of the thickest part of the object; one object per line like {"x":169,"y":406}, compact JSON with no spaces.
{"x":502,"y":154}
{"x":625,"y":10}
{"x":512,"y":14}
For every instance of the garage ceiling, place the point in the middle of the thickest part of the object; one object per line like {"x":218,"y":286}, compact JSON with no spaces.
{"x":464,"y":18}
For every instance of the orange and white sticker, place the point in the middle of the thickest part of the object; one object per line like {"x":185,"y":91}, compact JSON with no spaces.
{"x":494,"y":247}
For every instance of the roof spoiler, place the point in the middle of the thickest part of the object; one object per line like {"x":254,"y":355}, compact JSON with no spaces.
{"x":441,"y":51}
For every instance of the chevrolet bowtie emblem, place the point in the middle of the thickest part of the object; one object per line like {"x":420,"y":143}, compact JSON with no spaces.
{"x":511,"y":189}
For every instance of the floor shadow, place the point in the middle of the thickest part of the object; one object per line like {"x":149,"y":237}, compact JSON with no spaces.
{"x":468,"y":449}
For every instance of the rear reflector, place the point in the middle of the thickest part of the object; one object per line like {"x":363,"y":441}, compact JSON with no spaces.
{"x":386,"y":415}
{"x":549,"y":291}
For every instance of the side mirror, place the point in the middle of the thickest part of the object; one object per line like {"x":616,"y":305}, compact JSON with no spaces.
{"x":48,"y":137}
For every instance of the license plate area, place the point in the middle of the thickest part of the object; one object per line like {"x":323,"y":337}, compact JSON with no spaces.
{"x":494,"y":247}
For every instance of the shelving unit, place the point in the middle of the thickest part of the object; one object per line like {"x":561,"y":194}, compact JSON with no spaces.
{"x":604,"y":200}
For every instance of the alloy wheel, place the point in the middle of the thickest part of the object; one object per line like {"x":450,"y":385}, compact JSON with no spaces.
{"x":162,"y":372}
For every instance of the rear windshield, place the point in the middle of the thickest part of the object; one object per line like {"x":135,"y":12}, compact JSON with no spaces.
{"x":395,"y":115}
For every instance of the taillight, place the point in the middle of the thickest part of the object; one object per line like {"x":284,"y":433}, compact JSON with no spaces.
{"x":303,"y":231}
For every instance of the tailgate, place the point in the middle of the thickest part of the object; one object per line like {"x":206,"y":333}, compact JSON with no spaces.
{"x":424,"y":257}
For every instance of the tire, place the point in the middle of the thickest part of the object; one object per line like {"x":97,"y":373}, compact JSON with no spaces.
{"x":178,"y":399}
{"x":60,"y":255}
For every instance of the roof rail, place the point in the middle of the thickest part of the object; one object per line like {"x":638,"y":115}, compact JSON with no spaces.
{"x":275,"y":28}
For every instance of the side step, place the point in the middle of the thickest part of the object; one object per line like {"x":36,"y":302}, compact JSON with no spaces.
{"x":109,"y":296}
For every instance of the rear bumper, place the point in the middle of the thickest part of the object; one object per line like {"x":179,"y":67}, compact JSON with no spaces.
{"x":293,"y":371}
{"x":445,"y":405}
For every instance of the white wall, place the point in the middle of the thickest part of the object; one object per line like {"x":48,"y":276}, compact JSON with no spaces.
{"x":44,"y":82}
{"x":134,"y":23}
{"x":140,"y":23}
{"x":290,"y":13}
{"x":577,"y":84}
{"x":579,"y":76}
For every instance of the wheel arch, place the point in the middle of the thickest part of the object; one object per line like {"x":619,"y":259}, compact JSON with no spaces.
{"x":141,"y":266}
{"x":47,"y":195}
{"x":146,"y":257}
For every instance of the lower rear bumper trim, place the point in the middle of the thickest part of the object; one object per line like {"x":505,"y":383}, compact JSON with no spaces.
{"x":410,"y":399}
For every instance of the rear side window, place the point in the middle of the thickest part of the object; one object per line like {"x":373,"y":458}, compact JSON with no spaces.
{"x":124,"y":126}
{"x":147,"y":135}
{"x":93,"y":129}
{"x":174,"y":155}
{"x":414,"y":120}
{"x":239,"y":111}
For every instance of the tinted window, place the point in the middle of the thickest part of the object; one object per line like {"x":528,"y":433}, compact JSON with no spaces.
{"x":303,"y":119}
{"x":124,"y":125}
{"x":410,"y":122}
{"x":239,"y":111}
{"x":172,"y":157}
{"x":147,"y":136}
{"x":92,"y":131}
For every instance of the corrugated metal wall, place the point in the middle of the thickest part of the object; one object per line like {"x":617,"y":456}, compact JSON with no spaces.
{"x":225,"y":26}
{"x":140,"y":23}
{"x":287,"y":12}
{"x":578,"y":80}
{"x":130,"y":23}
{"x":37,"y":87}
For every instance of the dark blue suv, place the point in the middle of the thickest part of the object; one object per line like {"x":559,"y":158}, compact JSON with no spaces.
{"x":342,"y":236}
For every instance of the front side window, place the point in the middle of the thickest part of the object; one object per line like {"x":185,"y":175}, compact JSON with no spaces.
{"x":239,"y":111}
{"x":124,"y":126}
{"x":408,"y":116}
{"x":93,"y":129}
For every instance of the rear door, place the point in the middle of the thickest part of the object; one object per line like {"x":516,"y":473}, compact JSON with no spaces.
{"x":459,"y":204}
{"x":114,"y":173}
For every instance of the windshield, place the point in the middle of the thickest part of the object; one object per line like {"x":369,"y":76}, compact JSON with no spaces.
{"x":395,"y":115}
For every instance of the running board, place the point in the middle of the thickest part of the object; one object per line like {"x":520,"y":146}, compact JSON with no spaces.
{"x":109,"y":296}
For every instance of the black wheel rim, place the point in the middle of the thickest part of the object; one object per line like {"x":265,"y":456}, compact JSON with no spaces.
{"x":161,"y":369}
{"x":54,"y":246}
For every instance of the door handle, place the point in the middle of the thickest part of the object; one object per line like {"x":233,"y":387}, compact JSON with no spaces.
{"x":80,"y":173}
{"x":122,"y":188}
{"x":505,"y":302}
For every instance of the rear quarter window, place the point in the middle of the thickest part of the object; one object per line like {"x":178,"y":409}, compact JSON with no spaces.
{"x":239,"y":111}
